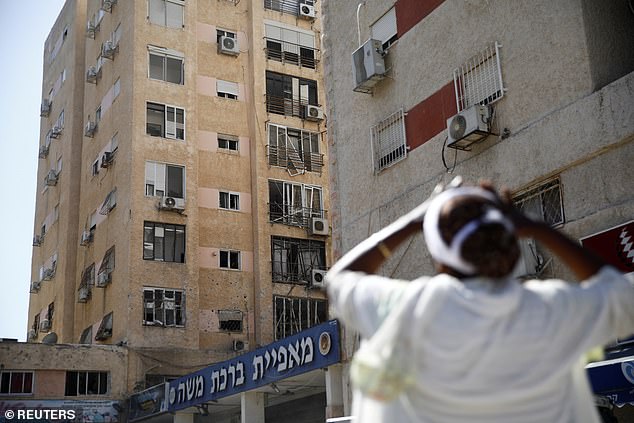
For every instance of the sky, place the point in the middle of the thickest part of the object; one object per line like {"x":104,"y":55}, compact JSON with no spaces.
{"x":24,"y":25}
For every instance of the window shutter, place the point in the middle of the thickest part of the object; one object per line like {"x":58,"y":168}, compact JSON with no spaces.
{"x":385,"y":27}
{"x":157,"y":12}
{"x":174,"y":14}
{"x":150,"y":173}
{"x":170,"y":122}
{"x":227,"y":87}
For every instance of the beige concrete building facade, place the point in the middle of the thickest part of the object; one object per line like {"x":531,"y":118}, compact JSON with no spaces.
{"x":546,"y":91}
{"x":189,"y":218}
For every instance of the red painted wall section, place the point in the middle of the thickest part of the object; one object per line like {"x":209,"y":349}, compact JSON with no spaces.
{"x":410,"y":12}
{"x":429,"y":117}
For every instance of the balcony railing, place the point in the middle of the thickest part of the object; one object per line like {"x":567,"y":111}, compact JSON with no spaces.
{"x":286,"y":106}
{"x":295,"y":54}
{"x":284,"y":6}
{"x":293,"y":216}
{"x":292,"y":271}
{"x":293,"y":160}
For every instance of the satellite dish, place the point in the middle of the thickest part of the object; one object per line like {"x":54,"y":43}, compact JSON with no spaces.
{"x":50,"y":339}
{"x":458,"y":127}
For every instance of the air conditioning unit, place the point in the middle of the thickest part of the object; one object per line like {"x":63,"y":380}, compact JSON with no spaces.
{"x":306,"y":11}
{"x":43,"y":152}
{"x":51,"y":178}
{"x":107,"y":159}
{"x":319,"y":226}
{"x":368,"y":66}
{"x":468,"y":127}
{"x":90,"y":29}
{"x":86,"y":238}
{"x":90,"y":129}
{"x":103,"y":279}
{"x":45,"y":108}
{"x":35,"y":286}
{"x":83,"y":294}
{"x":108,"y":49}
{"x":48,"y":274}
{"x":31,"y":336}
{"x":56,"y":131}
{"x":92,"y":74}
{"x":45,"y":325}
{"x":228,"y":45}
{"x":239,"y":345}
{"x":171,"y":203}
{"x":106,"y":5}
{"x":37,"y":240}
{"x":314,"y":113}
{"x":318,"y":279}
{"x":529,"y":261}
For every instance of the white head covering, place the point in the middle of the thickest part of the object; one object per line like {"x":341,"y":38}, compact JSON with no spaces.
{"x":450,"y":254}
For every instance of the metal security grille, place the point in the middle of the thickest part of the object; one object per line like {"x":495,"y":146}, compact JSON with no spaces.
{"x":293,"y":315}
{"x":389,"y":143}
{"x":479,"y":79}
{"x":542,"y":202}
{"x":285,"y":6}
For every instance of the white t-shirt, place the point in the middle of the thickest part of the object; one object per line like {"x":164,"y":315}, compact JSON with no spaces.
{"x":489,"y":352}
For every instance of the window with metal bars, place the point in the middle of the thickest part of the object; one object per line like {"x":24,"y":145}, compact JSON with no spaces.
{"x":293,"y":315}
{"x":542,"y":202}
{"x":293,"y":259}
{"x":389,"y":142}
{"x":294,"y":204}
{"x":287,"y":6}
{"x":479,"y":79}
{"x":230,"y":320}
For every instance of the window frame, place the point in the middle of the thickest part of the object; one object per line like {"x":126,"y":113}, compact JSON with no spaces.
{"x":9,"y":381}
{"x":319,"y":311}
{"x":227,"y":93}
{"x":539,"y":191}
{"x":180,"y":3}
{"x":229,"y":260}
{"x":294,"y":211}
{"x":176,"y":307}
{"x":293,"y":154}
{"x":387,"y":148}
{"x":227,"y":316}
{"x":103,"y":383}
{"x":163,"y":181}
{"x":228,"y":139}
{"x":164,"y":109}
{"x":289,"y":262}
{"x":230,"y":195}
{"x":164,"y":55}
{"x":151,"y":238}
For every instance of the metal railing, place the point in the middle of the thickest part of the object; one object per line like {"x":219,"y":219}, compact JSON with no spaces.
{"x":284,"y":6}
{"x":287,"y":106}
{"x":293,"y":160}
{"x":293,"y":216}
{"x":287,"y":52}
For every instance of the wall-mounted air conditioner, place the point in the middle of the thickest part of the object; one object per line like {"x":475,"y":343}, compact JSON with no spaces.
{"x":91,"y":28}
{"x":171,"y":203}
{"x":318,"y":226}
{"x":106,"y":5}
{"x":468,"y":127}
{"x":306,"y":10}
{"x":31,"y":336}
{"x":45,"y":325}
{"x":318,"y":279}
{"x":56,"y":131}
{"x":108,"y":49}
{"x":92,"y":74}
{"x":239,"y":345}
{"x":86,"y":238}
{"x":103,"y":279}
{"x":368,"y":66}
{"x":83,"y":294}
{"x":37,"y":240}
{"x":43,"y":153}
{"x":90,"y":129}
{"x":51,"y":178}
{"x":48,"y":274}
{"x":529,"y":261}
{"x":45,"y":108}
{"x":228,"y":45}
{"x":35,"y":286}
{"x":107,"y":159}
{"x":313,"y":113}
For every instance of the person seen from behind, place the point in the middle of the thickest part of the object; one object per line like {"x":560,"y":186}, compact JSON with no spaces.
{"x":472,"y":344}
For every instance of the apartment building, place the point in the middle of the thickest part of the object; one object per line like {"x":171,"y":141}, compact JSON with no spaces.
{"x":536,"y":96}
{"x":183,"y":201}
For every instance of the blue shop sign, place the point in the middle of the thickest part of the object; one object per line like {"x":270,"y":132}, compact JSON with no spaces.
{"x":312,"y":349}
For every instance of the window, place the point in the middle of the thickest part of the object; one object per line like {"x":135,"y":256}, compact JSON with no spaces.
{"x":166,"y":65}
{"x":289,"y":45}
{"x":60,"y":120}
{"x":87,"y":282}
{"x":13,"y":382}
{"x":98,"y":115}
{"x":163,"y":307}
{"x":94,"y":169}
{"x":542,"y":202}
{"x":116,"y":88}
{"x":286,"y":6}
{"x":294,"y":315}
{"x":86,"y":336}
{"x":107,"y":264}
{"x":227,"y":89}
{"x":294,"y":149}
{"x":294,"y":204}
{"x":167,"y":13}
{"x":163,"y":180}
{"x":223,"y":33}
{"x":86,"y":383}
{"x":230,"y":259}
{"x":228,"y":142}
{"x":479,"y":79}
{"x":165,"y":121}
{"x":288,"y":95}
{"x":293,"y":260}
{"x":384,"y":29}
{"x":164,"y":242}
{"x":229,"y":200}
{"x":105,"y":328}
{"x":230,"y":320}
{"x":389,"y":143}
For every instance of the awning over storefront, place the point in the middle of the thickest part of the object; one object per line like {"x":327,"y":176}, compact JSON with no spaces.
{"x":312,"y":349}
{"x":613,"y":379}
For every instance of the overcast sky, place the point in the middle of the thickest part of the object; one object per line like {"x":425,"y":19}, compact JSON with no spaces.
{"x":24,"y":25}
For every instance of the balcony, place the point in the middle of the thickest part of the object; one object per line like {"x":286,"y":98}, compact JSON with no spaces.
{"x":294,"y":160}
{"x":293,"y":216}
{"x":291,"y":53}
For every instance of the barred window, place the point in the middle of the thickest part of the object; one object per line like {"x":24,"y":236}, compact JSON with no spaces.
{"x":293,"y":259}
{"x":389,"y":143}
{"x":479,"y":79}
{"x":230,"y":320}
{"x":542,"y":202}
{"x":294,"y":315}
{"x":163,"y":307}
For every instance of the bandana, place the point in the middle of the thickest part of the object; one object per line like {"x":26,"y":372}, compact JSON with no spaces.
{"x":450,"y":254}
